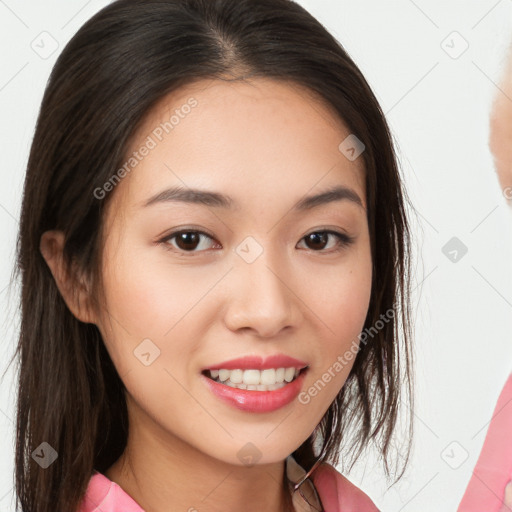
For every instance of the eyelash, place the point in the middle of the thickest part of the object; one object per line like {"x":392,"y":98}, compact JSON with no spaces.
{"x":344,"y":240}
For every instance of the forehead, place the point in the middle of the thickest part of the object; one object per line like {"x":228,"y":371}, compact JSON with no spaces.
{"x":256,"y":135}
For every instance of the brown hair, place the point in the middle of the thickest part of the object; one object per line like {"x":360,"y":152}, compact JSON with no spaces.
{"x":113,"y":71}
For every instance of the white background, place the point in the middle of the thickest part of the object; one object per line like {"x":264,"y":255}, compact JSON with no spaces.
{"x":438,"y":109}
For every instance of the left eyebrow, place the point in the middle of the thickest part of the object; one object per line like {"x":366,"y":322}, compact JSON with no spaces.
{"x":338,"y":193}
{"x":218,"y":200}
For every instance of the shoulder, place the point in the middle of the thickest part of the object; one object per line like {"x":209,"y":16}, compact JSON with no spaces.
{"x":103,"y":495}
{"x":338,"y":493}
{"x":493,"y":468}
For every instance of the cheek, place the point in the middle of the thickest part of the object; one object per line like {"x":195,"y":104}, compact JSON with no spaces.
{"x":151,"y":330}
{"x":341,"y":295}
{"x":145,"y":302}
{"x":341,"y":311}
{"x":135,"y":298}
{"x":148,"y":294}
{"x":342,"y":315}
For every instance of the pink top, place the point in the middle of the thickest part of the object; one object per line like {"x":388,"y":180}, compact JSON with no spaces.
{"x":336,"y":492}
{"x":493,"y":469}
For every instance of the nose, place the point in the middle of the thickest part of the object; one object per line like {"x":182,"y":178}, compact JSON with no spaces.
{"x":263,"y":297}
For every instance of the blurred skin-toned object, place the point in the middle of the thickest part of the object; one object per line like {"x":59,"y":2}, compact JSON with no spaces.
{"x":507,"y":502}
{"x":490,"y":486}
{"x":500,"y":138}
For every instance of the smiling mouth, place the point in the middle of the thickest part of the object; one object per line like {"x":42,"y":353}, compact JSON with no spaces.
{"x":255,"y":380}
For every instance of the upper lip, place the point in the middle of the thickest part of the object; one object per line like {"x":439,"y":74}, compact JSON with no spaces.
{"x":258,"y":363}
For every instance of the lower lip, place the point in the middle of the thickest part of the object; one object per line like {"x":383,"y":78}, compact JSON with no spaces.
{"x":257,"y":401}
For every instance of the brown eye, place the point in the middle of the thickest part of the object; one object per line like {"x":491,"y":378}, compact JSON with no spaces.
{"x":187,"y":241}
{"x":318,"y":240}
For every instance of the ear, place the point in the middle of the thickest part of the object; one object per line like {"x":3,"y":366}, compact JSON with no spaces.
{"x":74,"y":290}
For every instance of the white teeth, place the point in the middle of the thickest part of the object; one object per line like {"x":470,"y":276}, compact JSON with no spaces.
{"x":224,"y":375}
{"x":259,"y":387}
{"x":252,"y":377}
{"x":268,"y":377}
{"x":236,"y":377}
{"x":289,"y":374}
{"x":255,"y":379}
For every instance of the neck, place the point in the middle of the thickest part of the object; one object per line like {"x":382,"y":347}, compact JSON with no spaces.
{"x":163,"y":474}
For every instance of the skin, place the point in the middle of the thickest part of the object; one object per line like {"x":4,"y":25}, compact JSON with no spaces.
{"x":500,"y":136}
{"x":267,"y":145}
{"x":507,"y":499}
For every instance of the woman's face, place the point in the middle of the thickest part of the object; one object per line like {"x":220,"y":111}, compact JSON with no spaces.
{"x":264,"y":279}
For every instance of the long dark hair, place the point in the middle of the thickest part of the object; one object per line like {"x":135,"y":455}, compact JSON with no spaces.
{"x":113,"y":71}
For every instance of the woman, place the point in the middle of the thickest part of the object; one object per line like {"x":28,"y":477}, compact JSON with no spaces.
{"x":214,"y":254}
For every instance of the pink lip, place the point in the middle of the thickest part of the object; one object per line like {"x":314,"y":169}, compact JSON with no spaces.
{"x":257,"y":363}
{"x":257,"y":401}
